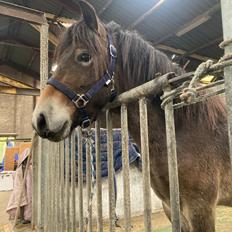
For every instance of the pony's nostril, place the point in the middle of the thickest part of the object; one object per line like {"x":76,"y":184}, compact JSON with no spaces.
{"x":47,"y":133}
{"x":41,"y":123}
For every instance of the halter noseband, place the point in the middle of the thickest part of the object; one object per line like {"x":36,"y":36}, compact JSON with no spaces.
{"x":81,"y":100}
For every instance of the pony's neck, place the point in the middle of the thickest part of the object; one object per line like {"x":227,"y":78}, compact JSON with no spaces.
{"x":138,"y":62}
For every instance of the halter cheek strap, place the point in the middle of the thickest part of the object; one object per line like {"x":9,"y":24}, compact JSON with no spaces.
{"x":81,"y":100}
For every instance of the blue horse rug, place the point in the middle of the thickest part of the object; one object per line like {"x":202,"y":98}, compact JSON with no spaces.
{"x":133,"y":153}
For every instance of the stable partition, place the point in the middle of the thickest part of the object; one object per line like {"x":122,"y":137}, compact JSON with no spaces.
{"x":57,"y":189}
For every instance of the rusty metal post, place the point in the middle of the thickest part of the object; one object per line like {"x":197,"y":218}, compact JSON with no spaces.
{"x":80,"y":180}
{"x":42,"y":143}
{"x":172,"y":165}
{"x":226,"y":7}
{"x":145,"y":163}
{"x":98,"y":177}
{"x":43,"y":55}
{"x":110,"y":171}
{"x":125,"y":167}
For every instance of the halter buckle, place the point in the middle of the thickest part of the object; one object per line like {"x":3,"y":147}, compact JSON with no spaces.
{"x":81,"y":101}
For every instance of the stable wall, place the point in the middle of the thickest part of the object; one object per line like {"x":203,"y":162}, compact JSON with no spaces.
{"x":15,"y":115}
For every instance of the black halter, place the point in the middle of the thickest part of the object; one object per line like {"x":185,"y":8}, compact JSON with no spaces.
{"x":81,"y":100}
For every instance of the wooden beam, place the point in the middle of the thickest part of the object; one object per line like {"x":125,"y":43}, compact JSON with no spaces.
{"x":6,"y":80}
{"x":19,"y":91}
{"x":18,"y":76}
{"x":20,"y":12}
{"x":105,"y":6}
{"x":20,"y":68}
{"x":197,"y":21}
{"x":53,"y":17}
{"x":15,"y":42}
{"x":8,"y":134}
{"x":182,"y":52}
{"x":147,"y":13}
{"x":52,"y":38}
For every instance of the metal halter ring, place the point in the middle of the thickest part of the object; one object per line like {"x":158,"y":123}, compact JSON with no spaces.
{"x":81,"y":101}
{"x":113,"y":51}
{"x":85,"y":123}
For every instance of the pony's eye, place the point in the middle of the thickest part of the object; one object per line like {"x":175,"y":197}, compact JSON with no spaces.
{"x":84,"y":57}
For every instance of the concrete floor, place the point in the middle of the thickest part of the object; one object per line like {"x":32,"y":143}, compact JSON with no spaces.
{"x":160,"y":222}
{"x":5,"y":224}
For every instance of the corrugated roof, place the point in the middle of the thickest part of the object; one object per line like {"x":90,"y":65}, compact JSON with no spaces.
{"x":161,"y":24}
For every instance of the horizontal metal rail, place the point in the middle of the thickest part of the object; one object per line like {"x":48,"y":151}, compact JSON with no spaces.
{"x":149,"y":88}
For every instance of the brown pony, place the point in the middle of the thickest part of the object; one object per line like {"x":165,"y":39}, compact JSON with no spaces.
{"x":202,"y":143}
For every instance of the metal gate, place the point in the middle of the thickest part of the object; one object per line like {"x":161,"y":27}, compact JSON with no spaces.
{"x":54,"y":186}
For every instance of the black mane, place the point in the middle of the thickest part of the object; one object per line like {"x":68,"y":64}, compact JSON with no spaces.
{"x":139,"y":60}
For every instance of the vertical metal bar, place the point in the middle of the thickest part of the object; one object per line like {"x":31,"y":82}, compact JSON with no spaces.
{"x":53,"y":175}
{"x":98,"y":177}
{"x":145,"y":163}
{"x":46,"y":186}
{"x":39,"y":211}
{"x":110,"y":171}
{"x":49,"y":189}
{"x":67,"y":184}
{"x":125,"y":167}
{"x":40,"y":206}
{"x":226,"y":8}
{"x":58,"y":229}
{"x":88,"y":185}
{"x":62,"y":186}
{"x":56,"y":184}
{"x":172,"y":166}
{"x":73,"y":184}
{"x":58,"y":188}
{"x":35,"y":184}
{"x":80,"y":181}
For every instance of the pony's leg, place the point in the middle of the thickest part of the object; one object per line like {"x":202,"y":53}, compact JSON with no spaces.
{"x":202,"y":217}
{"x":184,"y":223}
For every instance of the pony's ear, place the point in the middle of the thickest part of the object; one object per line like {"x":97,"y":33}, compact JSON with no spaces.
{"x":89,"y":15}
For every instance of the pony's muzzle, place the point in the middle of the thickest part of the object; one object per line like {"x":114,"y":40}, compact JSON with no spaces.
{"x":51,"y":121}
{"x":41,"y":126}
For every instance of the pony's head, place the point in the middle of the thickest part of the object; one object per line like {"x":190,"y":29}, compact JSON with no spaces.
{"x":82,"y":59}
